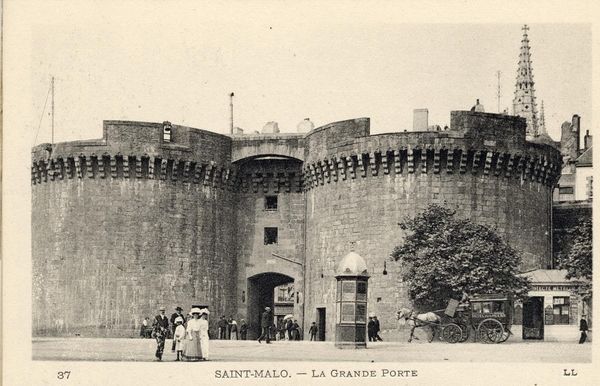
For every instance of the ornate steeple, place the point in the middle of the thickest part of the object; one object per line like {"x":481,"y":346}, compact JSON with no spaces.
{"x":542,"y":122}
{"x":524,"y":101}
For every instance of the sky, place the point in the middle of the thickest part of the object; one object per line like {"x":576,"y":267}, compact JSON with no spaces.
{"x":181,"y":68}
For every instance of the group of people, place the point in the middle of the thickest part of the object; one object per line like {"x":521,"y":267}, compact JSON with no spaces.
{"x":228,"y":329}
{"x":373,"y":329}
{"x":189,"y":333}
{"x":289,"y":329}
{"x":286,"y":329}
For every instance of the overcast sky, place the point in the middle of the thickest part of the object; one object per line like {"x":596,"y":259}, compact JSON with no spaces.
{"x":181,"y":66}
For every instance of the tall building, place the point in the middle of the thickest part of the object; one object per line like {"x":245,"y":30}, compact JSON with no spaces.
{"x":524,"y":102}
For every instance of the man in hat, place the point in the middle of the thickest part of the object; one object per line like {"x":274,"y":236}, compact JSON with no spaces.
{"x":583,"y":327}
{"x":266,"y":321}
{"x":376,"y":336}
{"x":313,"y":331}
{"x":159,"y":331}
{"x":177,"y":314}
{"x":161,"y":319}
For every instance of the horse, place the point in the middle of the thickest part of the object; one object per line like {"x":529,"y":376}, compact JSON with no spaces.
{"x":419,"y":320}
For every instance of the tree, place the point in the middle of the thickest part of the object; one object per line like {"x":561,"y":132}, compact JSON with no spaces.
{"x":446,"y":256}
{"x":578,"y":259}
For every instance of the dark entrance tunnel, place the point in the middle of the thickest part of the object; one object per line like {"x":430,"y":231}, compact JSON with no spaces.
{"x":260,"y":295}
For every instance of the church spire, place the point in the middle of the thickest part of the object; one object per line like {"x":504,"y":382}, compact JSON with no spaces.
{"x":524,"y":101}
{"x":542,"y":122}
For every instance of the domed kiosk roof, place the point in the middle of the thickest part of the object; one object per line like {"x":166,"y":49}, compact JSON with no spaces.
{"x":352,"y":265}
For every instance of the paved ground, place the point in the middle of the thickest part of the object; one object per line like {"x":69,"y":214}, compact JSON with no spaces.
{"x":106,"y":349}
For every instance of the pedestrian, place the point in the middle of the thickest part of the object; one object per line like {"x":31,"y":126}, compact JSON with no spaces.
{"x":159,"y":332}
{"x":228,"y":336}
{"x":377,"y":329}
{"x":192,"y":350}
{"x":174,"y":316}
{"x":583,"y":327}
{"x":266,"y":321}
{"x":290,"y":328}
{"x":179,"y":337}
{"x":313,"y":331}
{"x":204,"y":338}
{"x":281,"y":330}
{"x":145,"y":328}
{"x":243,"y":329}
{"x":222,"y":324}
{"x":234,"y":330}
{"x":162,"y":320}
{"x":296,"y":330}
{"x":371,"y":329}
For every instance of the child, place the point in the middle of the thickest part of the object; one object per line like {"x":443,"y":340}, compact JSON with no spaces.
{"x":179,"y":336}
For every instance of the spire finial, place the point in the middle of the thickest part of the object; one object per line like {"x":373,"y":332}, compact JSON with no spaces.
{"x":524,"y":104}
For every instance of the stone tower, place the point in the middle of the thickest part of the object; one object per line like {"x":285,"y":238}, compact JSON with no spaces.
{"x":524,"y":101}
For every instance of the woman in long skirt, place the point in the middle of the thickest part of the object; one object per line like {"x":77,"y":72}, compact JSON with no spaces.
{"x":192,"y":350}
{"x":204,"y":333}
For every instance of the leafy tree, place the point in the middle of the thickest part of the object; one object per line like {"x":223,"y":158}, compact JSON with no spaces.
{"x":447,"y":256}
{"x":578,"y":259}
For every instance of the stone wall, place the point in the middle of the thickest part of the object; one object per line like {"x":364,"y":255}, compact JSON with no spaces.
{"x":128,"y":222}
{"x":108,"y":252}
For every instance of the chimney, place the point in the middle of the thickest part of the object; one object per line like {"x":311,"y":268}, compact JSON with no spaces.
{"x":420,"y":119}
{"x":575,"y":127}
{"x":587,"y":140}
{"x":270,"y":128}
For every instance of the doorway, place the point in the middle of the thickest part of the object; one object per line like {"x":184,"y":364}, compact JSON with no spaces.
{"x":533,"y":318}
{"x":260,"y":295}
{"x":321,"y":315}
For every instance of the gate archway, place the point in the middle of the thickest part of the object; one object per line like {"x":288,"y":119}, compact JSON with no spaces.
{"x":260,"y":295}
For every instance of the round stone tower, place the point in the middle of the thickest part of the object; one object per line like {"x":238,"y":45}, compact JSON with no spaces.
{"x":122,"y":225}
{"x":359,"y":187}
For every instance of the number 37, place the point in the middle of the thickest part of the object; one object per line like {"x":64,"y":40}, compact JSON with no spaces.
{"x":63,"y":374}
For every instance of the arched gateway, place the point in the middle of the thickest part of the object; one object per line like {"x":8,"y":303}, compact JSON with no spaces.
{"x":261,"y":294}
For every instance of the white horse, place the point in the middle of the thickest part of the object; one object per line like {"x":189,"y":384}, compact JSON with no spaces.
{"x":415,"y":320}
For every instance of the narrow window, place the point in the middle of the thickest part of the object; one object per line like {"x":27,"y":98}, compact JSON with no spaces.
{"x":561,"y":309}
{"x":270,"y":236}
{"x":271,"y":203}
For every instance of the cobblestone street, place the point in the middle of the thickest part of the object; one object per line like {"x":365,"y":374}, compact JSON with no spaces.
{"x":142,"y":350}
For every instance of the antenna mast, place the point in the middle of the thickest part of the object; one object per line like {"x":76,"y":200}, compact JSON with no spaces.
{"x":231,"y":113}
{"x":53,"y":110}
{"x":498,"y":91}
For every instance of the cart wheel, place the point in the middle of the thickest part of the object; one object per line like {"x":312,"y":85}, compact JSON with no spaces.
{"x":452,"y":333}
{"x":505,"y":335}
{"x":490,"y":331}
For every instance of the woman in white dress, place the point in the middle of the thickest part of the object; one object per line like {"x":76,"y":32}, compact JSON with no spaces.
{"x":192,"y":350}
{"x":203,"y":322}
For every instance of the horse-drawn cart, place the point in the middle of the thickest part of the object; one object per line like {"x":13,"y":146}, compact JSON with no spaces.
{"x":489,"y":316}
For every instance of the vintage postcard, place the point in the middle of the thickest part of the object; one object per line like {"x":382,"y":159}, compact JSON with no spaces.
{"x":298,"y":192}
